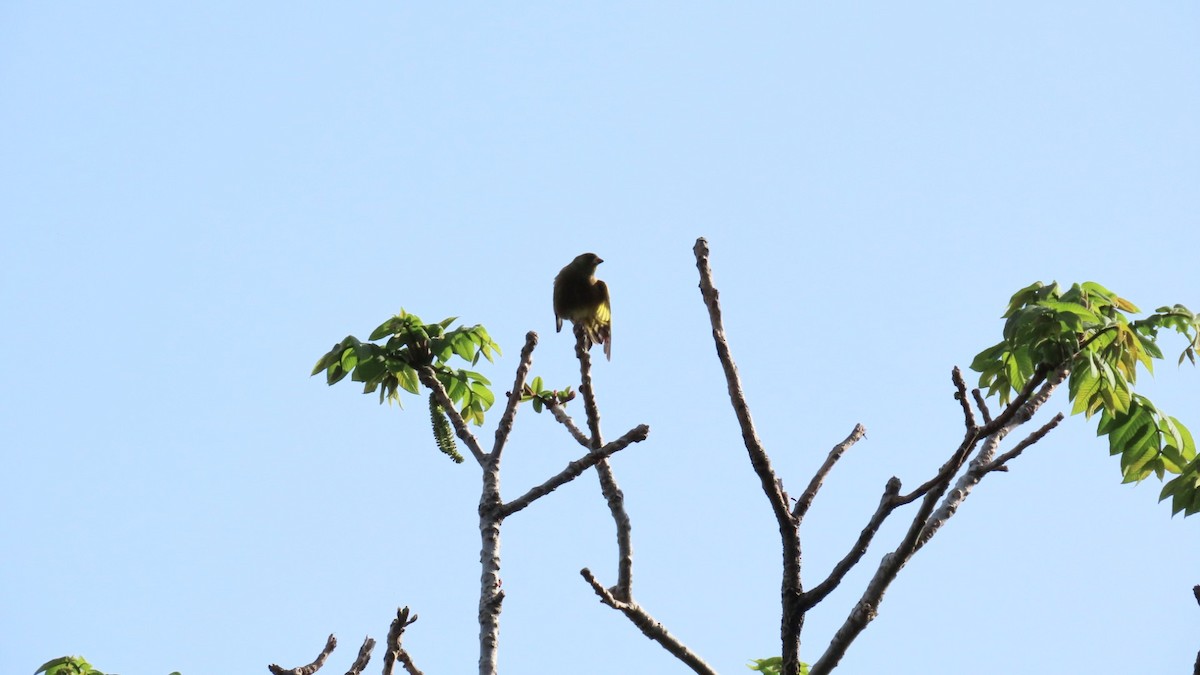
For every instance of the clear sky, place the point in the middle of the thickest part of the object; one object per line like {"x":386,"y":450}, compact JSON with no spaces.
{"x":198,"y":199}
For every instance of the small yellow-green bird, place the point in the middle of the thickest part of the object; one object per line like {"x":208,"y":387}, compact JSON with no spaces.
{"x":582,"y":298}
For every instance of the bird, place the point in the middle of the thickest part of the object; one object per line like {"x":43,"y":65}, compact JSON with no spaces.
{"x":582,"y":298}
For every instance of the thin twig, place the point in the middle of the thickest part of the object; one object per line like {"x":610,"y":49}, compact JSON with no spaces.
{"x":887,"y":504}
{"x":649,"y":626}
{"x":1001,"y":462}
{"x":982,"y":404}
{"x":608,"y":482}
{"x":960,"y":394}
{"x":429,"y":379}
{"x":514,"y":397}
{"x":364,"y":657}
{"x":564,"y":419}
{"x":574,"y":470}
{"x":806,"y":499}
{"x":330,"y":645}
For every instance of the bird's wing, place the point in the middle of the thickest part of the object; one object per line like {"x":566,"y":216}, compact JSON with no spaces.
{"x":604,"y":318}
{"x":603,"y":308}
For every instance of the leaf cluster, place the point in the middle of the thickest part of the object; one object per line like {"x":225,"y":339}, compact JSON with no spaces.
{"x":395,"y":352}
{"x":540,"y":396}
{"x":1087,"y":328}
{"x":70,"y":665}
{"x":773,"y":666}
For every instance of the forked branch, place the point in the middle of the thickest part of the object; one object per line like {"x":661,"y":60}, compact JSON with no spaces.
{"x":648,"y":625}
{"x":395,"y":652}
{"x":330,"y":645}
{"x":575,"y":469}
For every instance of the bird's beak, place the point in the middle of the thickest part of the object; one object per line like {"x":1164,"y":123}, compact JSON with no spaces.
{"x":599,"y":260}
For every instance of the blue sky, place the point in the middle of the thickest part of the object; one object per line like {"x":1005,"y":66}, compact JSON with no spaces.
{"x":198,"y":200}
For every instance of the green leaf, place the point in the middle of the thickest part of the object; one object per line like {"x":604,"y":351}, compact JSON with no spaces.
{"x":1189,"y":446}
{"x":349,"y":359}
{"x":463,"y":346}
{"x":408,"y":380}
{"x":1170,"y":432}
{"x":334,"y":374}
{"x":484,"y":394}
{"x":1087,"y":390}
{"x":370,"y":371}
{"x":54,"y":663}
{"x":1172,"y":460}
{"x":456,"y":388}
{"x":1093,"y":288}
{"x":1125,"y":305}
{"x":1135,"y":461}
{"x":1073,"y":309}
{"x":1131,"y":430}
{"x":1023,"y":297}
{"x":322,"y":363}
{"x":476,"y":376}
{"x":389,"y":327}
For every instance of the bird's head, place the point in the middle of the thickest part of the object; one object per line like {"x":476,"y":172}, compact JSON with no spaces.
{"x":586,"y":262}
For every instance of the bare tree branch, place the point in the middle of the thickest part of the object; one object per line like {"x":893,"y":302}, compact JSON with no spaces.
{"x":330,"y":645}
{"x":395,"y":652}
{"x":564,"y":419}
{"x":364,"y":657}
{"x":429,"y":379}
{"x":574,"y":470}
{"x":926,"y":522}
{"x":514,"y":397}
{"x":867,"y":607}
{"x":982,"y":404}
{"x":946,"y":472}
{"x":649,"y":626}
{"x":1001,"y":462}
{"x":1015,"y":415}
{"x":754,"y":446}
{"x":960,"y":394}
{"x":491,"y":595}
{"x":806,"y":499}
{"x":887,"y":504}
{"x":608,"y":482}
{"x":791,"y":587}
{"x":1196,"y":668}
{"x":1006,"y":415}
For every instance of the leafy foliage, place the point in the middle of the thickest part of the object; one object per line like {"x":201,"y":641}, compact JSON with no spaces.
{"x":1087,"y":328}
{"x":70,"y":665}
{"x":537,"y":392}
{"x":406,"y":345}
{"x":773,"y":666}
